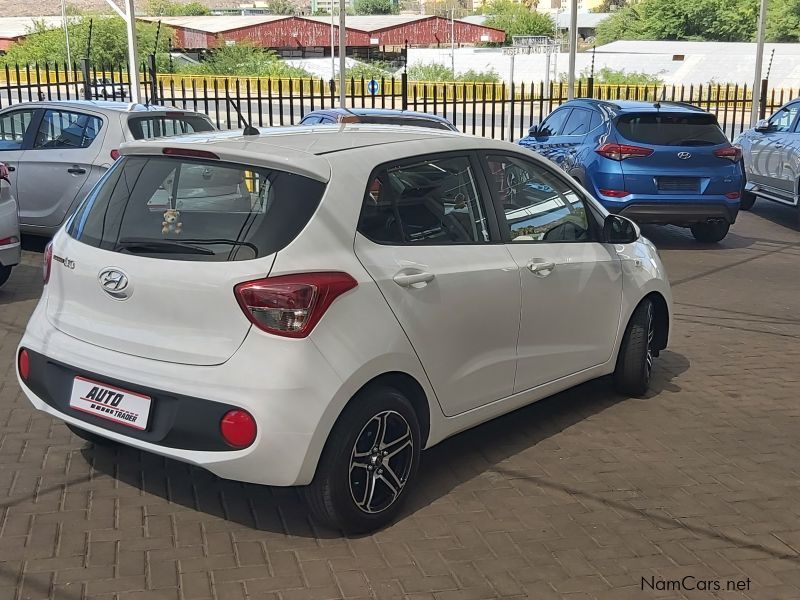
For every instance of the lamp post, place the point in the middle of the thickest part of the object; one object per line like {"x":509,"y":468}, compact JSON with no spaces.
{"x":66,"y":31}
{"x":342,"y":51}
{"x":762,"y":21}
{"x":573,"y":47}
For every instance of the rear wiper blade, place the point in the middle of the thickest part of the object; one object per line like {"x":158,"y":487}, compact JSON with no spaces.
{"x":136,"y":246}
{"x":693,"y":143}
{"x":214,"y":241}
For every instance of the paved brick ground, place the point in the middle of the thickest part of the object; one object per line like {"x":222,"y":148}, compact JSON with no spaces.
{"x":580,"y":496}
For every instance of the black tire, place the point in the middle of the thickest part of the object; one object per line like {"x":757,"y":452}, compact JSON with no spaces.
{"x":90,"y":437}
{"x":351,"y":464}
{"x":710,"y":231}
{"x":635,"y":359}
{"x":5,"y":273}
{"x":747,"y":200}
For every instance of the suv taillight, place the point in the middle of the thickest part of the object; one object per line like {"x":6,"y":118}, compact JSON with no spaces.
{"x":48,"y":262}
{"x":732,"y":153}
{"x":4,"y":172}
{"x":623,"y":151}
{"x":291,"y":305}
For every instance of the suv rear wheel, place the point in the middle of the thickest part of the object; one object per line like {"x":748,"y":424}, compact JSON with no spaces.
{"x":710,"y":231}
{"x":369,"y":462}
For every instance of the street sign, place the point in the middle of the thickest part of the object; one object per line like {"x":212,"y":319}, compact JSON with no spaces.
{"x":373,"y":87}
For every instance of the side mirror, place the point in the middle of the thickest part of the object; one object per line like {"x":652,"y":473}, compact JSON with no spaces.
{"x":762,"y":125}
{"x":533,"y":131}
{"x":620,"y":230}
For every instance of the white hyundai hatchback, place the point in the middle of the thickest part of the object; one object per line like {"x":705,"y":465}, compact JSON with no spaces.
{"x":314,"y":306}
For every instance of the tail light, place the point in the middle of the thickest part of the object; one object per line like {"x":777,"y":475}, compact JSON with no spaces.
{"x":614,"y":193}
{"x":4,"y":172}
{"x":732,"y":153}
{"x":623,"y":151}
{"x":732,"y":195}
{"x":24,"y":364}
{"x":9,"y":240}
{"x":291,"y":305}
{"x":48,"y":262}
{"x":114,"y":154}
{"x":238,"y":428}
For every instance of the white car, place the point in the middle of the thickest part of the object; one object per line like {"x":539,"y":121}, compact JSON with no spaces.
{"x":10,"y":249}
{"x":359,"y":294}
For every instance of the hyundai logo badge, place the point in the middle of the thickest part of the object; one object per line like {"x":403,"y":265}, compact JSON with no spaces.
{"x":115,"y":283}
{"x":684,"y":155}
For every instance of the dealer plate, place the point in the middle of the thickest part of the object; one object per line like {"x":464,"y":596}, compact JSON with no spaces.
{"x":110,"y":403}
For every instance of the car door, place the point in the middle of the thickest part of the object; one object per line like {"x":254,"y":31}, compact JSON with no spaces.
{"x":59,"y":168}
{"x":571,"y":282}
{"x":542,"y":141}
{"x":15,"y":137}
{"x":428,"y":236}
{"x":771,"y":150}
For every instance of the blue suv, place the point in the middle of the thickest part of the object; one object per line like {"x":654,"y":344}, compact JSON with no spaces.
{"x":662,"y":162}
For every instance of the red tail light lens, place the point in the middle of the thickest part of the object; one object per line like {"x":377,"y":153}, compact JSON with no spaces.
{"x":4,"y":172}
{"x":24,"y":364}
{"x":732,"y":153}
{"x":238,"y":428}
{"x":614,"y":193}
{"x":9,"y":240}
{"x":291,"y":305}
{"x":114,"y":154}
{"x":623,"y":151}
{"x":48,"y":262}
{"x":732,"y":195}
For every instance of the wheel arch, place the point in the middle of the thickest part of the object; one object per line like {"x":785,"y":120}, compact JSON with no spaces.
{"x":660,"y":319}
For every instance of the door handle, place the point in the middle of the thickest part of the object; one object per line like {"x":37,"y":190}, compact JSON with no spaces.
{"x":76,"y":170}
{"x":11,"y":169}
{"x":541,"y":268}
{"x":407,"y":280}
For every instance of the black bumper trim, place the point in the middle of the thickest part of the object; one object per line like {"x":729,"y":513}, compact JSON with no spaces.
{"x":677,"y":213}
{"x":176,"y":421}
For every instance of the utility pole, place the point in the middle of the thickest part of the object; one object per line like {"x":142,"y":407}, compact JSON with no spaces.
{"x":573,"y":47}
{"x":66,"y":31}
{"x":342,"y":52}
{"x":762,"y":22}
{"x":453,"y":42}
{"x":333,"y":54}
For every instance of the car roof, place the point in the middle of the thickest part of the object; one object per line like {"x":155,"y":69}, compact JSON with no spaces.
{"x":627,"y":106}
{"x":302,"y":149}
{"x":105,"y":106}
{"x":379,"y":112}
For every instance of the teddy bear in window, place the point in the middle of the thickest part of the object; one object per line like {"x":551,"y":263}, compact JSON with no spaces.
{"x":171,"y":222}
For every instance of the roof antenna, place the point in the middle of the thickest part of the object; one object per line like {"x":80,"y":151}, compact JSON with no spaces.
{"x":248,"y":129}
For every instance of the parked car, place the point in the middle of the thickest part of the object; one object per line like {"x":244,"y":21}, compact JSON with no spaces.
{"x":57,"y":151}
{"x":771,"y":158}
{"x":9,"y":228}
{"x":663,"y":162}
{"x":377,"y":116}
{"x":106,"y":88}
{"x":374,"y":291}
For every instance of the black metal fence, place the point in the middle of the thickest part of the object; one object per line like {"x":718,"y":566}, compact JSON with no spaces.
{"x":486,"y":109}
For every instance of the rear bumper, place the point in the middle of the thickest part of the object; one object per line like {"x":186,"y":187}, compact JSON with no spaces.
{"x":675,"y":213}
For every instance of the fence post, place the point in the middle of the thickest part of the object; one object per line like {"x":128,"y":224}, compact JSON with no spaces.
{"x":590,"y":87}
{"x":151,"y":67}
{"x":762,"y":103}
{"x":404,"y":89}
{"x":87,"y":87}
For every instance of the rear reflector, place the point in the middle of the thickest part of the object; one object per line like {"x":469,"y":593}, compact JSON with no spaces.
{"x":24,"y":364}
{"x":48,"y":262}
{"x":614,"y":193}
{"x":623,"y":151}
{"x":732,"y":195}
{"x":114,"y":154}
{"x":189,"y":153}
{"x":238,"y":428}
{"x":9,"y":240}
{"x":732,"y":153}
{"x":291,"y":305}
{"x":4,"y":172}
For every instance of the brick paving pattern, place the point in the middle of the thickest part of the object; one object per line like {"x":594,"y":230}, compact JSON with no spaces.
{"x":580,"y":496}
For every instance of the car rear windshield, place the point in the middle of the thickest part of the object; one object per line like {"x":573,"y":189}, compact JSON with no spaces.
{"x":198,"y":210}
{"x":155,"y":126}
{"x":407,"y":121}
{"x":671,"y":129}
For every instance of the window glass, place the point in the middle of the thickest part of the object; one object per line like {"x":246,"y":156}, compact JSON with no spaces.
{"x":538,"y":206}
{"x":552,"y":124}
{"x":312,"y":120}
{"x":186,"y":209}
{"x":596,"y":120}
{"x":13,"y":126}
{"x":783,"y":119}
{"x":578,"y":122}
{"x":428,"y":202}
{"x":60,"y":129}
{"x":155,"y":126}
{"x":409,"y":121}
{"x":671,"y":129}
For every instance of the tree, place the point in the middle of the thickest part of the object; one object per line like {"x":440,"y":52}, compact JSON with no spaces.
{"x":243,"y":59}
{"x":169,"y":8}
{"x":517,"y":19}
{"x":376,"y":7}
{"x":109,"y":42}
{"x":281,"y":7}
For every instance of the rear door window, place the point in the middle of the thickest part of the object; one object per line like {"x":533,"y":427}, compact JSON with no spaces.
{"x":187,"y":209}
{"x":671,"y":129}
{"x":156,"y":126}
{"x":62,"y":129}
{"x":13,"y":126}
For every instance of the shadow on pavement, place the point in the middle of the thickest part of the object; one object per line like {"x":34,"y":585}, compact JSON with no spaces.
{"x":445,"y":466}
